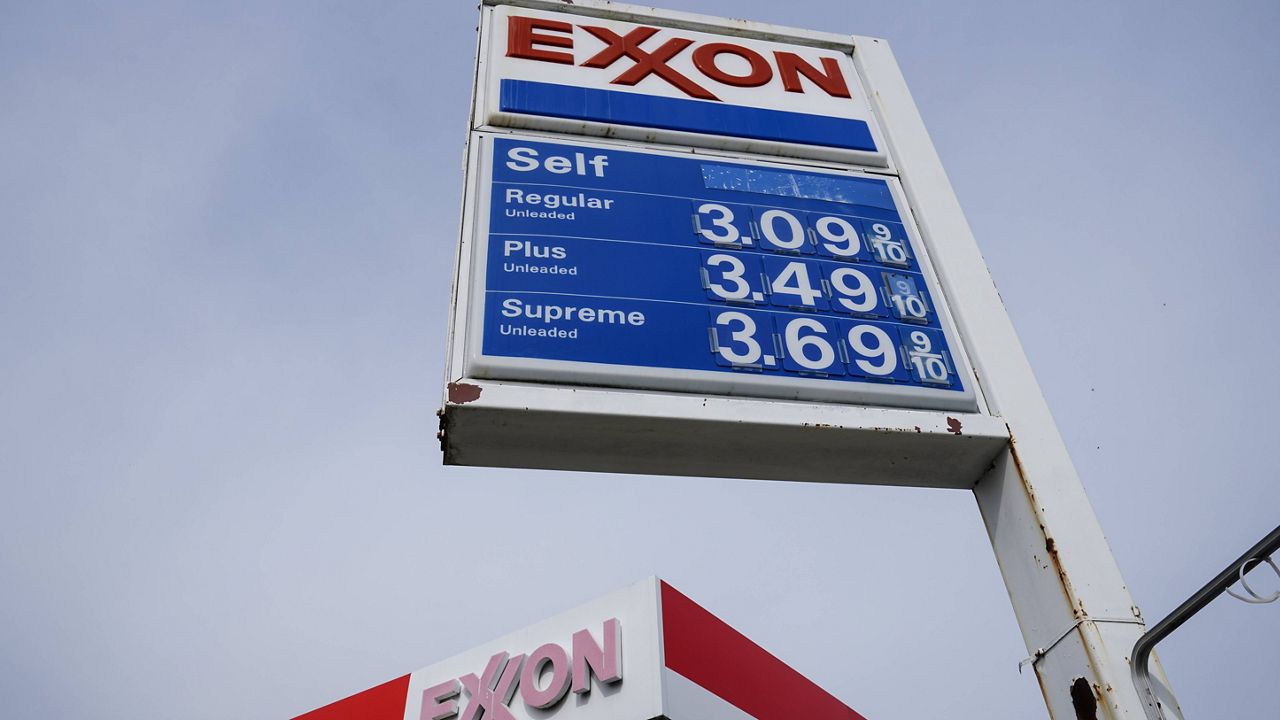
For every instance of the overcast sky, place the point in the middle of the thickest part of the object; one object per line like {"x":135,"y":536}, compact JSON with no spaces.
{"x":226,"y":240}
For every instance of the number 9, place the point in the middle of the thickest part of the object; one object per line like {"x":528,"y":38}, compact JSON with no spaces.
{"x":920,"y":342}
{"x":859,"y":299}
{"x":881,"y":347}
{"x":841,"y":242}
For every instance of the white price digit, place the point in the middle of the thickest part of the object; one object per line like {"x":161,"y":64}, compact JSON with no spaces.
{"x":795,"y":231}
{"x":859,"y":298}
{"x":745,"y":335}
{"x":803,"y":287}
{"x":910,"y":306}
{"x":723,"y":220}
{"x":920,"y":342}
{"x":801,"y":350}
{"x":890,"y":250}
{"x":734,"y":274}
{"x":880,"y":348}
{"x":838,"y":236}
{"x":929,"y":366}
{"x":906,"y":298}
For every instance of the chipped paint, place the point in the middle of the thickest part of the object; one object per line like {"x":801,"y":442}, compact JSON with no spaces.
{"x":1083,"y":700}
{"x":953,"y":425}
{"x":463,"y":393}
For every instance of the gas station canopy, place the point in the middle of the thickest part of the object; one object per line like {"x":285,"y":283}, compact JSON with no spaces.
{"x":642,"y":653}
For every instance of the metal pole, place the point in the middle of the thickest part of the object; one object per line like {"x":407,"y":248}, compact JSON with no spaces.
{"x":1076,"y":615}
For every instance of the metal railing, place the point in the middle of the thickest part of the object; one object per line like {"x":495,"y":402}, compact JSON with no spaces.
{"x":1259,"y":554}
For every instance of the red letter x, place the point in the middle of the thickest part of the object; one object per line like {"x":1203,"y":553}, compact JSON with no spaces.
{"x":646,"y":62}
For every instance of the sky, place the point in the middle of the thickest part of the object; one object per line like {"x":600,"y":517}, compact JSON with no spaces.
{"x":226,"y":241}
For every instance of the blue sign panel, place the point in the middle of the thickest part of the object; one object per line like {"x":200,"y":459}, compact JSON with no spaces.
{"x":706,"y":268}
{"x":624,"y":108}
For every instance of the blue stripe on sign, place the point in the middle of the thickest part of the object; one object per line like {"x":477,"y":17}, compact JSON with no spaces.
{"x":700,"y":116}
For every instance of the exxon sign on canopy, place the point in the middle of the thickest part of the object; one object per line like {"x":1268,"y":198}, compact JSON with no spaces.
{"x":643,"y":653}
{"x":596,"y":76}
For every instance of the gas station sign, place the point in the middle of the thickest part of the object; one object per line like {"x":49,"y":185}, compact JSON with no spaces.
{"x":643,"y":269}
{"x":707,"y":247}
{"x":609,"y":77}
{"x":686,"y":245}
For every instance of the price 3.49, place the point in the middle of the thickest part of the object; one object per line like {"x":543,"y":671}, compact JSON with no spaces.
{"x":799,"y":284}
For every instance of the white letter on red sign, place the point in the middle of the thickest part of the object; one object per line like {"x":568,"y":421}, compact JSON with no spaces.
{"x":438,"y":701}
{"x":549,"y":654}
{"x":589,"y":658}
{"x":491,"y":693}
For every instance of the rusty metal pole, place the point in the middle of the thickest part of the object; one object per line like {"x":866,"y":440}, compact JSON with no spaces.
{"x":1077,"y":618}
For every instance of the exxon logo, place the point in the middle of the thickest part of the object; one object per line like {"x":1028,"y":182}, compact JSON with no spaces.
{"x":642,"y":54}
{"x":542,"y":678}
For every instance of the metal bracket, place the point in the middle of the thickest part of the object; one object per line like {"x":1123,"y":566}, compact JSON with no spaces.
{"x":1041,"y":652}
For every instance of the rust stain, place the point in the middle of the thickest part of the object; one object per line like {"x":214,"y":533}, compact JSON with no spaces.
{"x":1038,"y":511}
{"x":953,"y":425}
{"x":1083,"y":701}
{"x":463,"y":393}
{"x":1052,"y":548}
{"x":1017,"y":463}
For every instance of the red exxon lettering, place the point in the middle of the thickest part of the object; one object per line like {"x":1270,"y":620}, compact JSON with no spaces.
{"x":531,"y":38}
{"x":521,"y":39}
{"x":646,"y":63}
{"x":791,"y":66}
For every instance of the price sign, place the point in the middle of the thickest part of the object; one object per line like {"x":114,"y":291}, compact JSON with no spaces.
{"x":638,"y":268}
